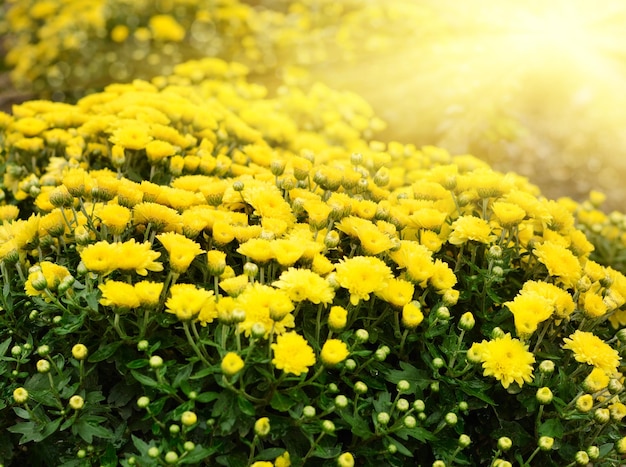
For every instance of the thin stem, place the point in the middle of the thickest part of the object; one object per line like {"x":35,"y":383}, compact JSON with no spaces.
{"x":193,"y":344}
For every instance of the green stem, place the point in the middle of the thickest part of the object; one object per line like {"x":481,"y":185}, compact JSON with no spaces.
{"x":315,"y":443}
{"x":193,"y":344}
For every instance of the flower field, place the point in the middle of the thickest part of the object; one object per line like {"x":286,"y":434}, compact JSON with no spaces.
{"x":200,"y":270}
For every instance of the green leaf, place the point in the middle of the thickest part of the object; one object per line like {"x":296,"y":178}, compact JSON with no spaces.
{"x":70,"y":324}
{"x":182,"y":375}
{"x":104,"y":352}
{"x":32,"y":432}
{"x":416,"y":377}
{"x":281,"y":402}
{"x":204,"y":373}
{"x":401,"y":448}
{"x":207,"y":397}
{"x":245,"y":406}
{"x":199,"y":454}
{"x":358,"y":425}
{"x":87,"y":431}
{"x":143,"y":379}
{"x":418,"y":433}
{"x":552,"y":427}
{"x":4,"y":346}
{"x":136,"y":364}
{"x":477,"y":389}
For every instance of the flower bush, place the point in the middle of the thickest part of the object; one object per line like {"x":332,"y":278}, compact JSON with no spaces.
{"x":196,"y":273}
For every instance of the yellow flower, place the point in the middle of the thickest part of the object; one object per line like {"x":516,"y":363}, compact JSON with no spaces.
{"x":292,"y":354}
{"x":593,"y":305}
{"x":417,"y":259}
{"x":304,"y":284}
{"x":216,"y":262}
{"x":158,"y":150}
{"x":119,"y":295}
{"x":231,"y":364}
{"x":287,"y":251}
{"x":166,"y":28}
{"x":284,"y":460}
{"x":334,"y":351}
{"x":618,"y":411}
{"x":529,"y":309}
{"x":508,"y":360}
{"x":584,"y":403}
{"x":132,"y":136}
{"x":257,"y":249}
{"x":160,"y":217}
{"x":52,"y":274}
{"x":345,"y":460}
{"x":596,"y":380}
{"x":428,"y":218}
{"x":233,"y":286}
{"x":148,"y":292}
{"x":508,"y":214}
{"x":135,"y":256}
{"x":412,"y":315}
{"x":181,"y":249}
{"x":186,"y":301}
{"x":261,"y":304}
{"x":398,"y":292}
{"x":442,"y":277}
{"x":115,"y":217}
{"x":337,"y":318}
{"x":560,"y":299}
{"x":9,"y":212}
{"x":560,"y":262}
{"x":362,"y":275}
{"x":467,"y":228}
{"x":373,"y":241}
{"x":589,"y":348}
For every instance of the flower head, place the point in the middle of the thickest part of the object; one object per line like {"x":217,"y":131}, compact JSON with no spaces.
{"x":186,"y":301}
{"x":589,"y":348}
{"x":292,"y":353}
{"x":560,"y":262}
{"x":467,"y":228}
{"x":304,"y":284}
{"x":508,"y":360}
{"x":181,"y":249}
{"x":362,"y":275}
{"x":119,"y":295}
{"x":334,"y":351}
{"x":231,"y":364}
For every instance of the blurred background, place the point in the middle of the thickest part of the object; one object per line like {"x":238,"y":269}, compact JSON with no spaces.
{"x":535,"y":87}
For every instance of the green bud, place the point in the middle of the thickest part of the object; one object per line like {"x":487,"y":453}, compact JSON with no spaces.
{"x":464,"y":441}
{"x":546,"y":367}
{"x":143,"y":345}
{"x":143,"y":402}
{"x":621,"y":335}
{"x":333,"y":388}
{"x":382,"y":353}
{"x":451,"y":419}
{"x":615,"y":386}
{"x":439,"y":464}
{"x":308,"y":411}
{"x":153,"y":452}
{"x":383,"y":418}
{"x":582,"y":458}
{"x":443,"y":313}
{"x":419,"y":405}
{"x":438,"y":363}
{"x":361,"y":336}
{"x":81,"y":454}
{"x":410,"y":422}
{"x":593,"y":452}
{"x":238,"y":185}
{"x":360,"y":387}
{"x":497,"y":333}
{"x":403,"y":386}
{"x":174,"y":429}
{"x":544,"y":395}
{"x":16,"y":350}
{"x":341,"y":401}
{"x":434,"y":386}
{"x":156,"y":362}
{"x":422,"y":416}
{"x":463,"y":406}
{"x":328,"y":427}
{"x":171,"y":457}
{"x":402,"y":405}
{"x":33,"y":315}
{"x":350,"y":364}
{"x":545,"y":443}
{"x":189,"y":446}
{"x":467,"y":321}
{"x":43,"y":366}
{"x":602,"y":415}
{"x":504,"y":443}
{"x":192,"y":396}
{"x":258,"y":330}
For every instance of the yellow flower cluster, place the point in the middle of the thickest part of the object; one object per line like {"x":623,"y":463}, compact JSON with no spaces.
{"x":56,"y":46}
{"x":264,"y":211}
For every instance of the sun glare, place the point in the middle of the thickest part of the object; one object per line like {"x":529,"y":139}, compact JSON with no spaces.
{"x":535,"y":87}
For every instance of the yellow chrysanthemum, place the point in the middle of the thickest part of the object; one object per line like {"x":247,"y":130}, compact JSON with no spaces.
{"x":304,"y":284}
{"x":334,"y":351}
{"x":264,"y":304}
{"x":596,"y":380}
{"x":186,"y":301}
{"x":148,"y":292}
{"x":99,"y":257}
{"x":119,"y":295}
{"x":52,"y":275}
{"x":467,"y":228}
{"x":362,"y":275}
{"x":593,"y":304}
{"x":561,"y":300}
{"x":589,"y":348}
{"x":398,"y":292}
{"x":292,"y":354}
{"x":442,"y":277}
{"x":181,"y":250}
{"x":508,"y":214}
{"x":138,"y":257}
{"x":337,"y":318}
{"x":560,"y":262}
{"x":508,"y":360}
{"x":529,"y":309}
{"x":412,"y":315}
{"x":115,"y":217}
{"x":231,"y":364}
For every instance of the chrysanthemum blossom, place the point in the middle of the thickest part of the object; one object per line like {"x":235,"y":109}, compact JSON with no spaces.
{"x":186,"y":301}
{"x":507,"y":359}
{"x":292,"y":354}
{"x":119,"y":295}
{"x":589,"y":348}
{"x":529,"y":310}
{"x":362,"y":275}
{"x":334,"y":351}
{"x":560,"y":261}
{"x":181,"y":249}
{"x":467,"y":228}
{"x":231,"y":364}
{"x":304,"y":284}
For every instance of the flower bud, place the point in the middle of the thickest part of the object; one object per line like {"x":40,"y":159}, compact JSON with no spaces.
{"x":402,"y":405}
{"x":620,"y":445}
{"x":258,"y":330}
{"x":582,"y":458}
{"x":439,"y":463}
{"x":621,"y":335}
{"x":495,"y":252}
{"x":504,"y":443}
{"x":250,"y":269}
{"x":171,"y":457}
{"x":419,"y":405}
{"x":545,"y":443}
{"x":382,"y":353}
{"x":434,"y":386}
{"x":615,"y":386}
{"x":153,"y":452}
{"x":143,"y":402}
{"x":403,"y":386}
{"x":262,"y":427}
{"x":332,"y":388}
{"x":308,"y":411}
{"x":189,"y":446}
{"x":277,"y":167}
{"x":328,"y":427}
{"x":188,"y":418}
{"x":546,"y":367}
{"x":464,"y":441}
{"x":584,"y":403}
{"x":345,"y":460}
{"x":341,"y":401}
{"x":392,"y":449}
{"x":16,"y":351}
{"x":77,"y":402}
{"x":39,"y":281}
{"x":231,"y":364}
{"x":593,"y":452}
{"x":443,"y":313}
{"x":361,"y":336}
{"x":43,"y":366}
{"x":602,"y":415}
{"x":20,"y":395}
{"x":79,"y":352}
{"x":81,"y":453}
{"x":350,"y":364}
{"x":544,"y":395}
{"x":438,"y":363}
{"x":155,"y":362}
{"x":410,"y":421}
{"x":33,"y":315}
{"x":497,"y":333}
{"x":337,"y":318}
{"x":360,"y":387}
{"x":467,"y":321}
{"x":451,"y":419}
{"x":383,"y":418}
{"x":143,"y":345}
{"x":463,"y":406}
